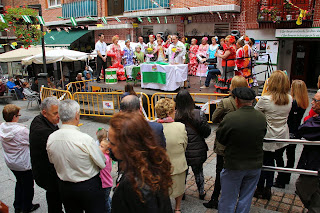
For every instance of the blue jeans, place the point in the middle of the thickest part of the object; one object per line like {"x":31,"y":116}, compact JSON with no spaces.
{"x":237,"y":189}
{"x":108,"y":199}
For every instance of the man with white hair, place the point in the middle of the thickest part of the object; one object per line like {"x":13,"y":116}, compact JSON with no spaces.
{"x":43,"y":171}
{"x":78,"y":161}
{"x":176,"y":51}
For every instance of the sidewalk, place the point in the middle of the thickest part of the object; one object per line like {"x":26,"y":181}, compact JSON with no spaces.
{"x":281,"y":201}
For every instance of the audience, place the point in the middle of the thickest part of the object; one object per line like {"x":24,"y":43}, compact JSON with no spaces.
{"x":144,"y":181}
{"x":128,"y":90}
{"x":11,"y":85}
{"x":276,"y":105}
{"x":102,"y":134}
{"x":197,"y":130}
{"x":176,"y":139}
{"x":78,"y":161}
{"x":43,"y":171}
{"x":14,"y":138}
{"x":2,"y":88}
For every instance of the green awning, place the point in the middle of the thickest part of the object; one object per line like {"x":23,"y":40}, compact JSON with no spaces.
{"x":62,"y":38}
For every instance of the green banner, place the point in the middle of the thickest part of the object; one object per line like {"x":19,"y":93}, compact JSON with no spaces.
{"x":154,"y":77}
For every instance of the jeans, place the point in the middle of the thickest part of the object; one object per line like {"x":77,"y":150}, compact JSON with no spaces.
{"x":238,"y":187}
{"x":266,"y":178}
{"x":24,"y":190}
{"x":198,"y":175}
{"x":108,"y":199}
{"x":85,"y":196}
{"x":211,"y":75}
{"x":217,"y":183}
{"x":19,"y":92}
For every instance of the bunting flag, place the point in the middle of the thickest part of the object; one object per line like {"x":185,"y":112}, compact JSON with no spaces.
{"x":66,"y":29}
{"x":1,"y":46}
{"x":41,"y":20}
{"x":171,"y":5}
{"x":52,"y":37}
{"x":69,"y":28}
{"x":104,"y":20}
{"x":73,"y":21}
{"x":233,"y":15}
{"x":149,"y":19}
{"x":27,"y":19}
{"x":13,"y":47}
{"x":158,"y":20}
{"x":58,"y":29}
{"x":82,"y":27}
{"x":48,"y":30}
{"x":99,"y":25}
{"x":165,"y":20}
{"x":211,"y":12}
{"x":60,"y":17}
{"x":89,"y":17}
{"x":219,"y":16}
{"x":139,"y":19}
{"x":2,"y":18}
{"x":118,"y":20}
{"x":155,"y":3}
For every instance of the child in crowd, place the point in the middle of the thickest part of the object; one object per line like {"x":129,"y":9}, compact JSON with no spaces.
{"x":102,"y":133}
{"x":105,"y":174}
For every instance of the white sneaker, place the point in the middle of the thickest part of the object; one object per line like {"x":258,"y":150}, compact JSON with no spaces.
{"x":204,"y":87}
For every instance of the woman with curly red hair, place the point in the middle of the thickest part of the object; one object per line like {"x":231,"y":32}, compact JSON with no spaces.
{"x":144,"y":182}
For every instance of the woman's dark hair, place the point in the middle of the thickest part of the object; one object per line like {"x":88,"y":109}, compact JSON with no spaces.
{"x":143,"y":161}
{"x":129,"y":88}
{"x":184,"y":107}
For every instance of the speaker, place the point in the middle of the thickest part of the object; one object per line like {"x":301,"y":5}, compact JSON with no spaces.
{"x":236,"y":34}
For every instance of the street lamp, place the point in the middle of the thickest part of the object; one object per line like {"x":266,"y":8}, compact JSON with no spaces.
{"x":38,"y":7}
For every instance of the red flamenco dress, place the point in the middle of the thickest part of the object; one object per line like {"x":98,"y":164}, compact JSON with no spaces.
{"x":116,"y":56}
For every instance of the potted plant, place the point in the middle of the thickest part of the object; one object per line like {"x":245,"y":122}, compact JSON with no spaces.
{"x":27,"y":33}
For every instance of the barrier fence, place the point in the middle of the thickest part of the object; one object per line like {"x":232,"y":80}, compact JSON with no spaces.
{"x":291,"y":170}
{"x":78,"y":86}
{"x":60,"y":94}
{"x":208,"y":101}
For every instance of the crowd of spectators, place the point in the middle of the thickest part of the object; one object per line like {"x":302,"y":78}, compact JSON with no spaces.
{"x":154,"y":157}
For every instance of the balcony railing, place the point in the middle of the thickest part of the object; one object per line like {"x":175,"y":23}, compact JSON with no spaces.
{"x":134,"y":5}
{"x":281,"y":11}
{"x":76,"y":8}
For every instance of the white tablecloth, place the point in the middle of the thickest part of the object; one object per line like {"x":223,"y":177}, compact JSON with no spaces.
{"x":175,"y":76}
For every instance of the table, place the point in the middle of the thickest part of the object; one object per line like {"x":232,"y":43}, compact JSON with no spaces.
{"x":163,"y":77}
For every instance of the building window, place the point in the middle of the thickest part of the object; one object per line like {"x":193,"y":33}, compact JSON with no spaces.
{"x":53,"y":3}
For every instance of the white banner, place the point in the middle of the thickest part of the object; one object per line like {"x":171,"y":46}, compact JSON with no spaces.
{"x":298,"y":33}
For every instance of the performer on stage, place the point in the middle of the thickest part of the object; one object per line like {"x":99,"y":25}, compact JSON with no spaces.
{"x":176,"y":51}
{"x":151,"y":45}
{"x":193,"y":61}
{"x":159,"y":51}
{"x":239,"y":56}
{"x":168,"y":41}
{"x":116,"y":56}
{"x":247,"y":61}
{"x":227,"y":66}
{"x":101,"y":49}
{"x":202,"y":54}
{"x":187,"y":46}
{"x":139,"y":55}
{"x":142,"y":45}
{"x":128,"y":54}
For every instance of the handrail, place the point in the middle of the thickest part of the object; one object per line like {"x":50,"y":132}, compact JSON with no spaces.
{"x":290,"y":170}
{"x":291,"y":141}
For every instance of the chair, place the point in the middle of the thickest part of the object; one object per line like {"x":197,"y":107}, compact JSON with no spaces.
{"x":13,"y":91}
{"x":31,"y":96}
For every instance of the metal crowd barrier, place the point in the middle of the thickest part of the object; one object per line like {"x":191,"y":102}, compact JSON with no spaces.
{"x":291,"y":170}
{"x":78,"y":86}
{"x":205,"y":100}
{"x":60,"y":94}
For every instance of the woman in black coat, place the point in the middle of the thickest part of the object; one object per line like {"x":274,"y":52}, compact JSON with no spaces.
{"x":197,"y":129}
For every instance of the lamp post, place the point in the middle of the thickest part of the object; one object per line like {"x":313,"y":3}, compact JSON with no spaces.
{"x":38,"y":7}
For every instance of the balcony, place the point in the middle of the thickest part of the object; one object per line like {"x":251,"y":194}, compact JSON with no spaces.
{"x":281,"y":14}
{"x":79,"y":8}
{"x":135,"y":5}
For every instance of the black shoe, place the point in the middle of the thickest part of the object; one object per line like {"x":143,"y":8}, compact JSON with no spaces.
{"x":267,"y":193}
{"x":212,"y":204}
{"x":184,"y":196}
{"x":201,"y":196}
{"x":279,"y":185}
{"x":258,"y":193}
{"x":17,"y":210}
{"x":33,"y":208}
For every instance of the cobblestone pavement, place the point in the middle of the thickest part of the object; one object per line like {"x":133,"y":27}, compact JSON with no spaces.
{"x":281,"y":201}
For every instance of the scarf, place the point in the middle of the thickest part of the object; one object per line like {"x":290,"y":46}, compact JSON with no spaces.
{"x":165,"y":120}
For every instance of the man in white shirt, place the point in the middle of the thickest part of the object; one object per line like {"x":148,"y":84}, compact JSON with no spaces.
{"x":78,"y":161}
{"x":101,"y":49}
{"x":176,"y":51}
{"x":142,"y":44}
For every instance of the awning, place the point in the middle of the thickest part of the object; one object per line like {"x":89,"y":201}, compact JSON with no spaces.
{"x":62,"y":38}
{"x":19,"y":54}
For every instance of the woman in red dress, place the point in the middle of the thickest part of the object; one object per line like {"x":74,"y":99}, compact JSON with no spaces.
{"x":116,"y":56}
{"x":193,"y":62}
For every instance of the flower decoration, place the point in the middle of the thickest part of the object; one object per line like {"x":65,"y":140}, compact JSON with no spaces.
{"x":269,"y":12}
{"x":27,"y":33}
{"x":174,"y":49}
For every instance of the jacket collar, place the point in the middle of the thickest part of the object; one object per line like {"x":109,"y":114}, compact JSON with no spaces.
{"x":51,"y":125}
{"x":68,"y":126}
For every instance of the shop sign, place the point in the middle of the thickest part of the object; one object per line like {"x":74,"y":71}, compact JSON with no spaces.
{"x":298,"y":33}
{"x":135,"y":25}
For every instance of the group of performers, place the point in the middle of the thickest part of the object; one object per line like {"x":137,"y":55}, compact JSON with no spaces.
{"x":232,"y":57}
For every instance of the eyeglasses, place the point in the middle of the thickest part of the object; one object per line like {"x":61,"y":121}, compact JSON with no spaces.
{"x":315,"y":100}
{"x":18,"y":115}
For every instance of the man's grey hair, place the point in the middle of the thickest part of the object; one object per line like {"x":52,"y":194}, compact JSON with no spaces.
{"x":130,"y":103}
{"x":68,"y":110}
{"x":48,"y":102}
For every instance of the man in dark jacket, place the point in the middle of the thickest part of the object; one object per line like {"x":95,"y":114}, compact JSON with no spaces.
{"x":242,"y":133}
{"x":307,"y":187}
{"x":43,"y":171}
{"x":131,"y":103}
